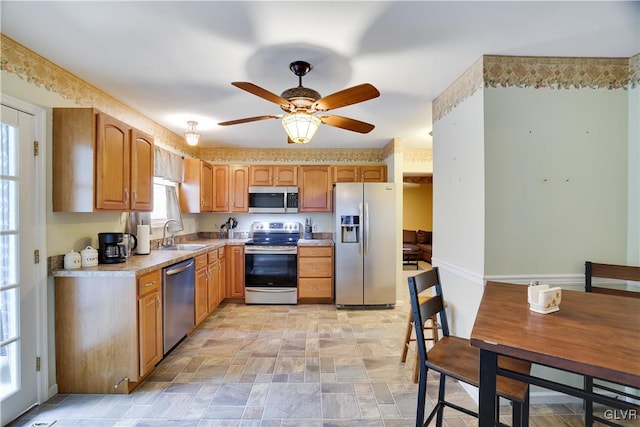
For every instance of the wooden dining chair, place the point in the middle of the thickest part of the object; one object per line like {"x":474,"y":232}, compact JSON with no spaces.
{"x":431,"y":326}
{"x":616,"y":272}
{"x":454,"y":357}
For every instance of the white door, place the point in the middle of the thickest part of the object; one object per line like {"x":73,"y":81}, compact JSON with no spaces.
{"x":18,"y":275}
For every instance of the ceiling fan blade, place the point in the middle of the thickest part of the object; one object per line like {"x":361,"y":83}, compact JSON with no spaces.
{"x":347,"y":123}
{"x":262,"y":93}
{"x":352,"y":95}
{"x":249,"y":119}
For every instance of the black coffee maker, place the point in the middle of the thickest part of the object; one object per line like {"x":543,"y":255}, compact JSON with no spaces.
{"x":111,"y":248}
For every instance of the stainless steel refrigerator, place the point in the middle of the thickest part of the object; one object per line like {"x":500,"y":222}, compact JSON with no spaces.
{"x":365,"y":244}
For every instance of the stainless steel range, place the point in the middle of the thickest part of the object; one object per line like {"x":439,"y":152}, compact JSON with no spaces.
{"x":271,"y":263}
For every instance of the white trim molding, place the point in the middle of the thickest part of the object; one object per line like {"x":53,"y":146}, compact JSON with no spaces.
{"x":460,"y":272}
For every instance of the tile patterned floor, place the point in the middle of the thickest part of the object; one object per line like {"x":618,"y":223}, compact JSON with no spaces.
{"x":279,"y":366}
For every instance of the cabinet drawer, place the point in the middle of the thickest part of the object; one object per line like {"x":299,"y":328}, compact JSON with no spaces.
{"x":201,"y":261}
{"x":315,"y":251}
{"x":315,"y":267}
{"x":150,"y":282}
{"x":212,"y":256}
{"x":315,"y":288}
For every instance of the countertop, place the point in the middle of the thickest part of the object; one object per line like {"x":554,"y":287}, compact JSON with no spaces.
{"x":315,"y":242}
{"x":141,"y":264}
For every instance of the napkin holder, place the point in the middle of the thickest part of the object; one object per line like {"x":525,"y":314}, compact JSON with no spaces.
{"x":543,"y":299}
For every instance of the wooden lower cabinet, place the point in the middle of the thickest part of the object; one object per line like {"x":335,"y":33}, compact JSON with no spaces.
{"x":315,"y":274}
{"x":108,"y":332}
{"x":201,"y":306}
{"x":235,"y":272}
{"x":150,"y":321}
{"x":222,"y":274}
{"x":213,"y":297}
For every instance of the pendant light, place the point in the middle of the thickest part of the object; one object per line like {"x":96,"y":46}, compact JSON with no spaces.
{"x":191,"y":135}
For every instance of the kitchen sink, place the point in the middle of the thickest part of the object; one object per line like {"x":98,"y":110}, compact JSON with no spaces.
{"x":184,"y":247}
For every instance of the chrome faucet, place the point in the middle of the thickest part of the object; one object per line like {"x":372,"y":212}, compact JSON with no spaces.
{"x":168,"y":241}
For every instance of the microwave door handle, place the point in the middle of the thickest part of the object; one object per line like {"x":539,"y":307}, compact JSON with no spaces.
{"x":286,"y":201}
{"x":360,"y":247}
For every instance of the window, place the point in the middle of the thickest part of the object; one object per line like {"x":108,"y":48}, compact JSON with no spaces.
{"x":165,"y":203}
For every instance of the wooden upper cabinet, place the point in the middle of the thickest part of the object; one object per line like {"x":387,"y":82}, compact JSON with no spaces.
{"x":99,"y":163}
{"x":360,"y":173}
{"x":286,"y":175}
{"x":220,"y":188}
{"x":142,"y":155}
{"x":239,"y":188}
{"x":260,"y":175}
{"x":374,"y":173}
{"x":196,"y":188}
{"x":315,"y":188}
{"x":347,"y":173}
{"x":113,"y":148}
{"x":267,"y":175}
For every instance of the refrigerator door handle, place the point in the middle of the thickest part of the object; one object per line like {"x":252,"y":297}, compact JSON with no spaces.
{"x":360,"y":248}
{"x":366,"y":227}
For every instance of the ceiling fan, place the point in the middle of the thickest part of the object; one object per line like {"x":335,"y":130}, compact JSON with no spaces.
{"x":300,"y":105}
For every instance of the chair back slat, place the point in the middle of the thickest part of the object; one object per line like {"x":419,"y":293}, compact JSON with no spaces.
{"x":434,"y":305}
{"x":620,"y":272}
{"x":611,"y":271}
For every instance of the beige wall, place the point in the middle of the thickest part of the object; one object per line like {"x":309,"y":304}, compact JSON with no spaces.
{"x":533,"y":180}
{"x":417,"y":207}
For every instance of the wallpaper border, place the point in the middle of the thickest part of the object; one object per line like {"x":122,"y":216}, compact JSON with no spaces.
{"x":37,"y":70}
{"x":539,"y":72}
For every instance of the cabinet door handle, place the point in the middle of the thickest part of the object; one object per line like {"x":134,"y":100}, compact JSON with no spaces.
{"x":126,"y":195}
{"x":135,"y":196}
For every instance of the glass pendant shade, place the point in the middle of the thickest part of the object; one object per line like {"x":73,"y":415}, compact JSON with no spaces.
{"x":300,"y":127}
{"x":192,"y":135}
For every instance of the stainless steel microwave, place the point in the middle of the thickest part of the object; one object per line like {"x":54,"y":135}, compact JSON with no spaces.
{"x":273,"y":199}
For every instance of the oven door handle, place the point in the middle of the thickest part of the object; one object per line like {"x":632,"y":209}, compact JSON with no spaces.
{"x":270,"y":251}
{"x":270,"y":291}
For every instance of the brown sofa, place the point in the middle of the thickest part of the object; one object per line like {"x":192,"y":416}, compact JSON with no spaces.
{"x":417,"y":242}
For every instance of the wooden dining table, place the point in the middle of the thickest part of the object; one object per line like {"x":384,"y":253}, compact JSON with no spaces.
{"x":594,"y":335}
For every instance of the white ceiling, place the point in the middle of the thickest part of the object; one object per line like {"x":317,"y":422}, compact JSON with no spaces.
{"x":174,"y":61}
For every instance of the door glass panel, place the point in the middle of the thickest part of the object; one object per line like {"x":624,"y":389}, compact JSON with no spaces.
{"x":9,"y":262}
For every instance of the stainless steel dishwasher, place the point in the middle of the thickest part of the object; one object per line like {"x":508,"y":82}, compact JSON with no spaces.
{"x":178,"y":301}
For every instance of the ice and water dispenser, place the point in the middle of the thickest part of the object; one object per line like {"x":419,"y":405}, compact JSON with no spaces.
{"x":350,"y":228}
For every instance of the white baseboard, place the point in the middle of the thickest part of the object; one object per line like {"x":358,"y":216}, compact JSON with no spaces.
{"x":53,"y":390}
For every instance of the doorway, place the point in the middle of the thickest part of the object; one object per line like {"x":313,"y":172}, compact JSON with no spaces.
{"x":417,"y":199}
{"x":22,"y":281}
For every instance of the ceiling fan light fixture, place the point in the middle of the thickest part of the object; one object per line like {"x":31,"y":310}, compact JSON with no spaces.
{"x":300,"y":126}
{"x":191,"y":135}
